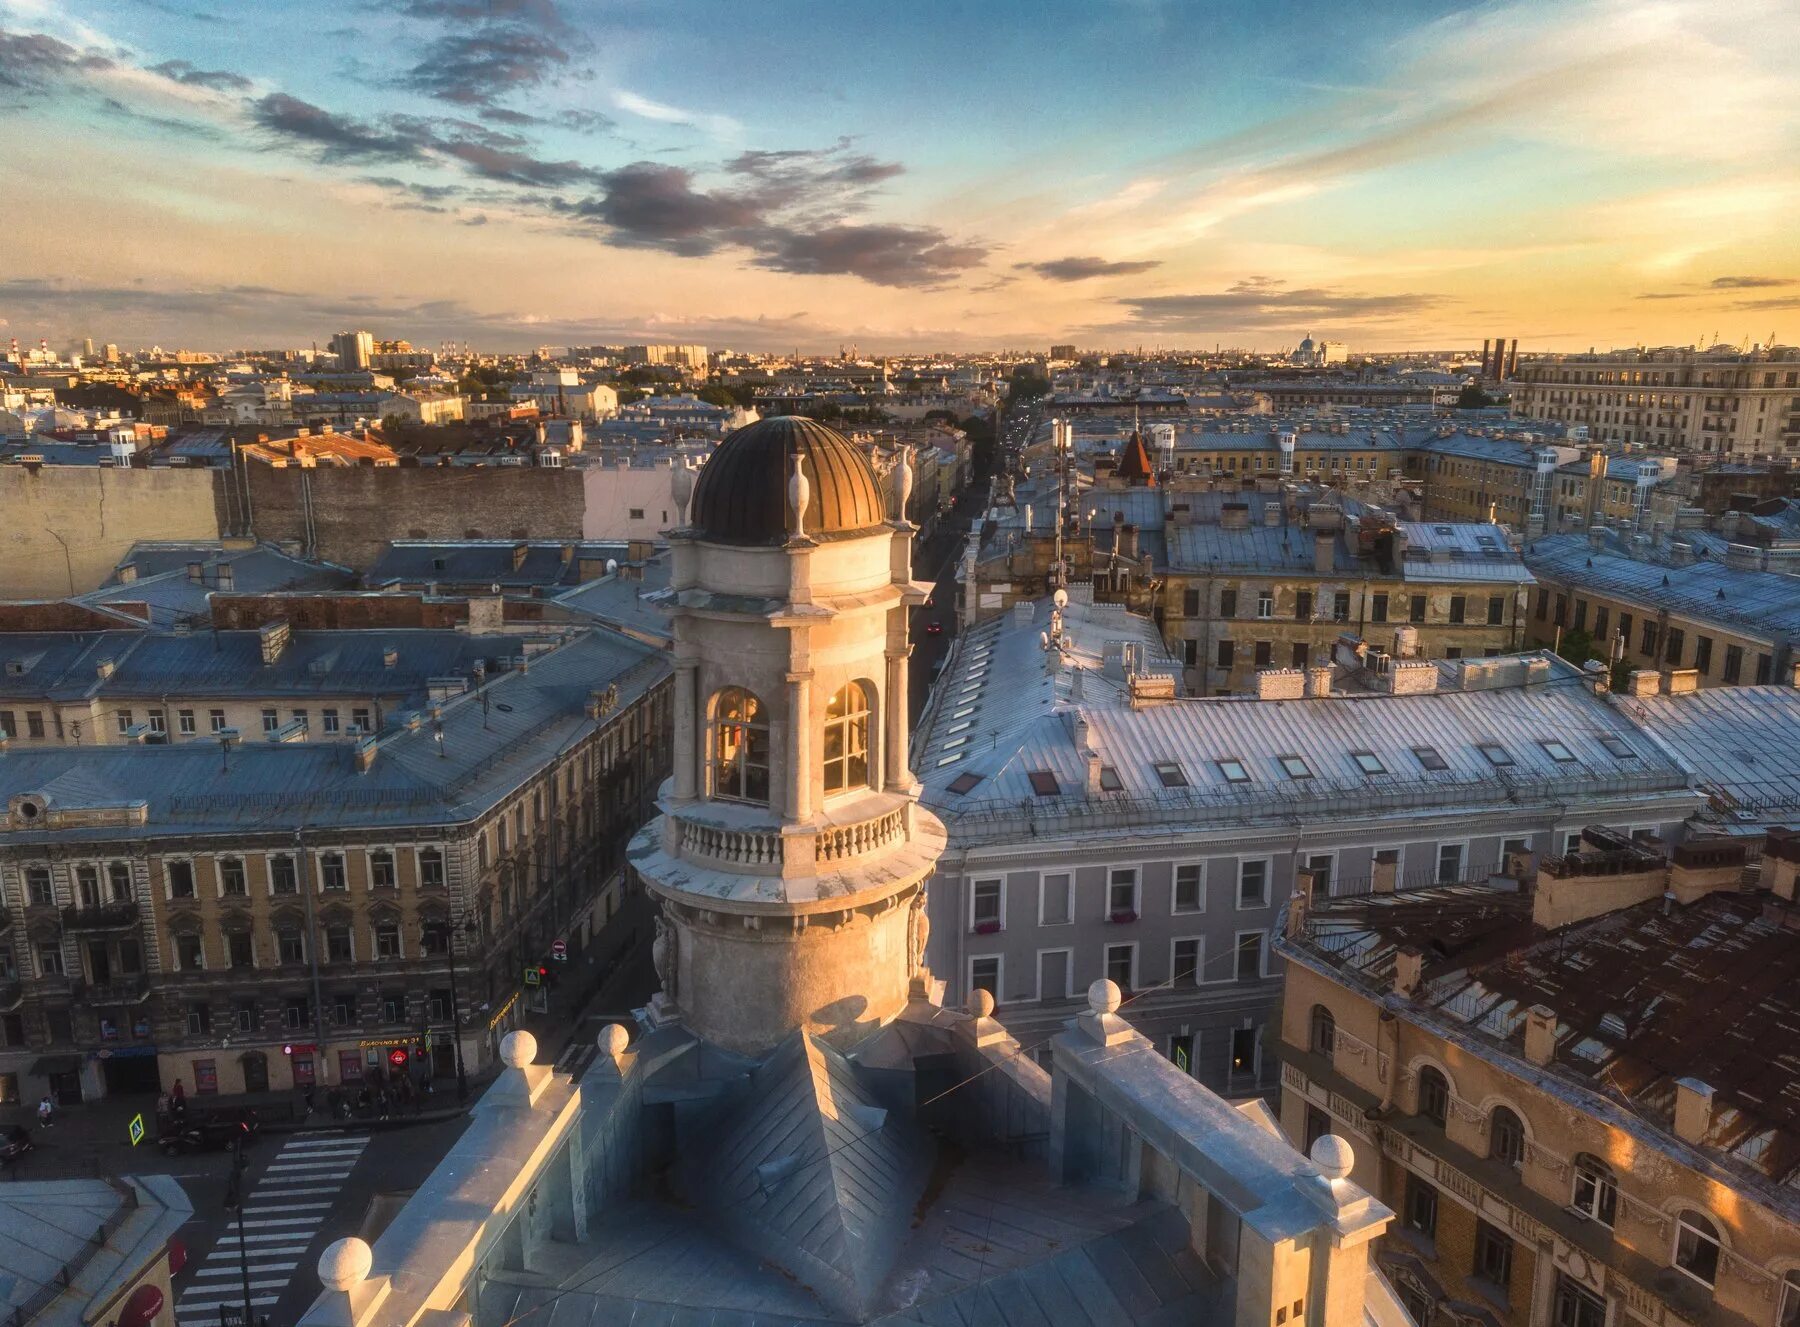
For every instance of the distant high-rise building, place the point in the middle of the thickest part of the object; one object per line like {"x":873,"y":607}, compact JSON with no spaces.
{"x":112,"y":353}
{"x":355,"y":350}
{"x":1062,"y":352}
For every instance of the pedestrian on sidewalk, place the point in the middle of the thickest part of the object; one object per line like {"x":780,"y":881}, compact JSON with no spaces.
{"x":178,"y":1099}
{"x":46,"y":1113}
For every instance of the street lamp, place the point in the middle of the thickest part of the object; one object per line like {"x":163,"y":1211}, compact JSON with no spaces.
{"x":234,"y":1202}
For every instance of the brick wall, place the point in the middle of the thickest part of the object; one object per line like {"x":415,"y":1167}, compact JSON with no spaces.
{"x":346,"y":515}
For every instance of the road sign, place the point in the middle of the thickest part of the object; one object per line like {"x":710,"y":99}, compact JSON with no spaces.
{"x":1181,"y":1059}
{"x":137,"y":1128}
{"x":531,"y":975}
{"x":559,"y":950}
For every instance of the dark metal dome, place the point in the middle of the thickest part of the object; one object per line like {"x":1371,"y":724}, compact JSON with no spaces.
{"x":741,"y":495}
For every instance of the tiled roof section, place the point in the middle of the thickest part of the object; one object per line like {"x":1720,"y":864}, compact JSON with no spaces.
{"x":813,"y":1175}
{"x":1764,"y":603}
{"x":1134,"y":460}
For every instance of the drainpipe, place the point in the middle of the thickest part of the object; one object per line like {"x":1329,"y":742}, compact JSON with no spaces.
{"x":312,"y":954}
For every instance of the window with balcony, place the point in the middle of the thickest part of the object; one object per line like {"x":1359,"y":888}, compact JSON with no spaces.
{"x":87,"y":886}
{"x":1574,"y":1305}
{"x":1434,"y":1096}
{"x":846,"y":749}
{"x":739,"y":749}
{"x":1421,"y":1206}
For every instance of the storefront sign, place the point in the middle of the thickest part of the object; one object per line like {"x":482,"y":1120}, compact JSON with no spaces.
{"x":382,"y":1043}
{"x":206,"y":1076}
{"x":503,"y":1011}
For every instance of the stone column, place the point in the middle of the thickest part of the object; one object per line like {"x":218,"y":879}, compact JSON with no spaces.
{"x":894,"y":757}
{"x":687,"y":728}
{"x":800,"y":763}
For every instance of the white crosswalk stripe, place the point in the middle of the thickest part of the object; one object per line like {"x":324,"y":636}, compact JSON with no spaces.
{"x":283,"y":1215}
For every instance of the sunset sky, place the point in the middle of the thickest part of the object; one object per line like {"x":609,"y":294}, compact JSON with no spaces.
{"x":913,"y":176}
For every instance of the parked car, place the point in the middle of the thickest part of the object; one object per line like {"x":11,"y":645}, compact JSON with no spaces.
{"x":212,"y":1133}
{"x":15,"y":1144}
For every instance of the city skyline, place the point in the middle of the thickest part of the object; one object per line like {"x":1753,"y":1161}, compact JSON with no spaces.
{"x":512,"y":172}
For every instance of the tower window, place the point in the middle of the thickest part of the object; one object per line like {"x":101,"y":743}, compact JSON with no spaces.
{"x":847,"y":739}
{"x":740,"y":747}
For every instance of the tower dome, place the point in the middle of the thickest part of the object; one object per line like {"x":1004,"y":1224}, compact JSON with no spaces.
{"x":742,"y":496}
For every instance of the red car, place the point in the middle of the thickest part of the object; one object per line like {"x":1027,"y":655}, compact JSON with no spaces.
{"x":934,"y":628}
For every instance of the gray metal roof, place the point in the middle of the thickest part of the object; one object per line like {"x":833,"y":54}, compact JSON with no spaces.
{"x":997,"y":717}
{"x":1762,"y":603}
{"x":489,"y":749}
{"x":1741,"y":741}
{"x":625,"y":602}
{"x":171,"y":595}
{"x":487,"y":560}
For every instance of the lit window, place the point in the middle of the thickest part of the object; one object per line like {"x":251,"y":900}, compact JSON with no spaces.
{"x":1368,"y":762}
{"x":847,"y":739}
{"x":740,"y":747}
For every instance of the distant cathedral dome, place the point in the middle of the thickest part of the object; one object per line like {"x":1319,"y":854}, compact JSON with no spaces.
{"x":742,"y":494}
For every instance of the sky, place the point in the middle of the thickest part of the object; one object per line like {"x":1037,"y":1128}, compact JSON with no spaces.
{"x":778,"y":175}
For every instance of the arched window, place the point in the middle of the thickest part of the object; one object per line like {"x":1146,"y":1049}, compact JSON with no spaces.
{"x":1506,"y":1137}
{"x":739,"y":757}
{"x":846,"y":749}
{"x":1790,"y":1300}
{"x":1596,"y":1190}
{"x":1434,"y":1096}
{"x":1324,"y":1031}
{"x":1697,"y":1247}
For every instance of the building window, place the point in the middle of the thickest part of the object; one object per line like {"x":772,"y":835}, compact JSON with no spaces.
{"x":984,"y":975}
{"x":1249,"y":955}
{"x":199,"y":1020}
{"x":124,"y":720}
{"x":1421,"y":1206}
{"x":1253,"y":883}
{"x":343,"y":1008}
{"x":1318,"y":1125}
{"x":1378,"y":608}
{"x":387,"y":940}
{"x":360,"y":718}
{"x":1243,"y":1062}
{"x":381,"y":869}
{"x":332,"y":876}
{"x":118,"y":881}
{"x":215,"y":720}
{"x":1190,"y":888}
{"x":339,"y":946}
{"x":1190,"y":603}
{"x":271,"y":720}
{"x":393,"y":1006}
{"x":1673,"y":643}
{"x":328,"y":721}
{"x":1506,"y":1137}
{"x":38,"y":889}
{"x":1649,"y":640}
{"x":1734,"y":663}
{"x":297,"y":1012}
{"x":184,"y":723}
{"x":1449,"y":863}
{"x":50,"y":960}
{"x":740,"y":747}
{"x":1322,"y":1035}
{"x":846,"y":750}
{"x":189,"y":956}
{"x":1056,"y":899}
{"x":1303,"y":604}
{"x":1496,"y":609}
{"x":431,"y":868}
{"x":290,"y":944}
{"x":985,"y":908}
{"x":1493,"y":1256}
{"x":1703,"y":654}
{"x":283,"y":878}
{"x":1434,"y":1096}
{"x":1574,"y":1305}
{"x":239,"y":949}
{"x":1264,"y":653}
{"x":1697,"y":1247}
{"x":1416,"y":610}
{"x":1122,"y":894}
{"x":1790,"y":1298}
{"x":1459,"y":609}
{"x":1185,"y":957}
{"x":1227,"y":653}
{"x":1340,"y":606}
{"x":1265,"y":603}
{"x":1121,"y":963}
{"x":232,"y":881}
{"x":245,"y":1016}
{"x":34,"y":724}
{"x":181,"y":879}
{"x":1227,"y":603}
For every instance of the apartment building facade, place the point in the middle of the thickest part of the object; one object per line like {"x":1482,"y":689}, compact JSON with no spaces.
{"x":1565,"y":1083}
{"x":274,"y":915}
{"x":1720,"y":402}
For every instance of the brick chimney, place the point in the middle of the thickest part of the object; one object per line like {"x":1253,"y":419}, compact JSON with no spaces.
{"x":1693,"y":1109}
{"x":1280,"y":684}
{"x":1384,"y":873}
{"x":1409,"y":971}
{"x":1699,"y":867}
{"x":1643,"y":682}
{"x":1324,"y":551}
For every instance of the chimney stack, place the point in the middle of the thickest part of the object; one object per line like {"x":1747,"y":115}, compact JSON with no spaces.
{"x":1409,"y":971}
{"x":1693,"y":1110}
{"x":1324,"y":551}
{"x":1540,"y":1034}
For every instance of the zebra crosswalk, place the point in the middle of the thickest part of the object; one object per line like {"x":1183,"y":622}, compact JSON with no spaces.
{"x":282,"y":1214}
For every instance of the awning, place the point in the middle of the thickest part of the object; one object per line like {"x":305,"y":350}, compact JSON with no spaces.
{"x":45,"y":1065}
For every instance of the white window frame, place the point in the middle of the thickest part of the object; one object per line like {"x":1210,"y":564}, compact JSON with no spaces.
{"x":1137,"y":890}
{"x":1510,"y":843}
{"x":1571,"y":840}
{"x":1331,"y":855}
{"x":1437,"y":861}
{"x":318,"y":858}
{"x":1106,"y":962}
{"x":1268,"y":882}
{"x":1044,"y":878}
{"x":218,"y":861}
{"x":1199,"y":978}
{"x":1254,"y":1073}
{"x":1262,"y":958}
{"x":269,"y":873}
{"x":974,"y":885}
{"x":168,"y":860}
{"x":443,"y":859}
{"x":369,"y":868}
{"x":1037,"y":975}
{"x":375,"y":954}
{"x":1199,"y":864}
{"x":999,"y":974}
{"x":1717,"y":1238}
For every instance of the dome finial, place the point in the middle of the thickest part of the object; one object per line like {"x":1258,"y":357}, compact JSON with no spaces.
{"x":799,"y":494}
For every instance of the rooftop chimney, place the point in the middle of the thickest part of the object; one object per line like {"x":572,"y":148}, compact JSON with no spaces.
{"x":196,"y":571}
{"x":1409,"y":971}
{"x":1324,"y":551}
{"x":227,"y":578}
{"x":519,"y":553}
{"x":273,"y":637}
{"x":1540,"y":1034}
{"x":1693,"y":1110}
{"x":1280,"y":684}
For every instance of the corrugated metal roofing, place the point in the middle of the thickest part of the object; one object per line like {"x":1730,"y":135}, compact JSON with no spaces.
{"x":1764,"y":603}
{"x":1741,"y":741}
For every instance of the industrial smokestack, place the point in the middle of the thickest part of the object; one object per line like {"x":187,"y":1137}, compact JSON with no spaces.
{"x":1485,"y":351}
{"x":1512,"y":358}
